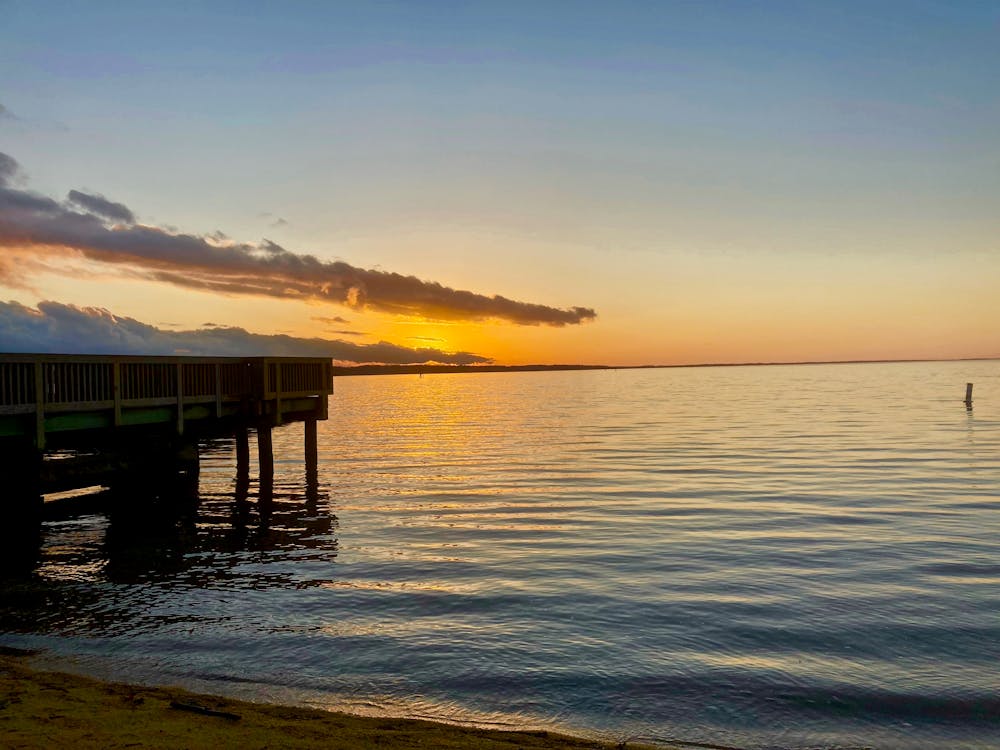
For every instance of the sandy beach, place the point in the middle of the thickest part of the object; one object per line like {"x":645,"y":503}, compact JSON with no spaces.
{"x":44,"y":709}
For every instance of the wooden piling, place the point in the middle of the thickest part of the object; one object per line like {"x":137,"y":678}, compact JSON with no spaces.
{"x":20,"y":508}
{"x":311,"y":447}
{"x":968,"y":394}
{"x":21,"y":466}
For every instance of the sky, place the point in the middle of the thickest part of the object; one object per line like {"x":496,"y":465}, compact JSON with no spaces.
{"x":626,"y":183}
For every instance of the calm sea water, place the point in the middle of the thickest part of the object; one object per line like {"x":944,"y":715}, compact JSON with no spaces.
{"x":798,"y":556}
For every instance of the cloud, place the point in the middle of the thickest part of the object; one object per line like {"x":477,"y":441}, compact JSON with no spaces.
{"x":35,"y":222}
{"x":336,"y":319}
{"x":277,"y":220}
{"x":9,"y":169}
{"x":423,"y":338}
{"x":98,"y":204}
{"x":66,"y":329}
{"x":21,"y":123}
{"x":340,"y":320}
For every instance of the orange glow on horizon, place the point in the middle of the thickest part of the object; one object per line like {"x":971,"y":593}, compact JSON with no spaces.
{"x":740,"y":312}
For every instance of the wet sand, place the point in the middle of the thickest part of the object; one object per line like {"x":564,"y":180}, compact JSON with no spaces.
{"x":42,"y":709}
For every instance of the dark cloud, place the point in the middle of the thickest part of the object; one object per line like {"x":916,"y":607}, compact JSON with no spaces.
{"x":336,"y":319}
{"x":9,"y":169}
{"x":423,"y":338}
{"x":98,"y":204}
{"x":28,"y":220}
{"x":349,"y":333}
{"x":6,"y":114}
{"x":277,"y":221}
{"x":66,"y":329}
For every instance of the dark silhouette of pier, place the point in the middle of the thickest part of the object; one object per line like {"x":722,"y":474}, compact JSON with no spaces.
{"x":69,"y":421}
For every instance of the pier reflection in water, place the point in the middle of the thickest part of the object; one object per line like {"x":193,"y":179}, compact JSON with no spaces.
{"x":104,"y":563}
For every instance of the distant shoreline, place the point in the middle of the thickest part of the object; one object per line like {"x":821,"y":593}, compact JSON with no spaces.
{"x":450,"y":369}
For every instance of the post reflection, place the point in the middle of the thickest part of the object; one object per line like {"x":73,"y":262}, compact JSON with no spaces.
{"x":164,"y":527}
{"x":288,"y":517}
{"x":148,"y":536}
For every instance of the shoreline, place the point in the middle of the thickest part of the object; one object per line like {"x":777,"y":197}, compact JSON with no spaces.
{"x":42,"y":708}
{"x":435,"y":369}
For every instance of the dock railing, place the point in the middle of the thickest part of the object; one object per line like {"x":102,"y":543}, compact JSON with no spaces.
{"x":67,"y":392}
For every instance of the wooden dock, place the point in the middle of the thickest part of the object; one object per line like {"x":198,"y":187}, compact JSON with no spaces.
{"x":138,"y":405}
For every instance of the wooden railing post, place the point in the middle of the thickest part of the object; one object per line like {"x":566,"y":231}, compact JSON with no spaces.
{"x":39,"y":406}
{"x":218,"y":391}
{"x":326,"y":388}
{"x":73,"y":394}
{"x":116,"y":390}
{"x":277,"y":393}
{"x":180,"y":399}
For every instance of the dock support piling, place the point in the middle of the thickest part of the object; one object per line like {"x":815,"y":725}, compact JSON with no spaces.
{"x":242,"y":455}
{"x":311,"y":449}
{"x":22,"y":508}
{"x":968,"y":394}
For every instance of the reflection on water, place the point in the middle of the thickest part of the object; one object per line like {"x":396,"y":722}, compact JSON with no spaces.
{"x":759,"y":557}
{"x":103,"y":555}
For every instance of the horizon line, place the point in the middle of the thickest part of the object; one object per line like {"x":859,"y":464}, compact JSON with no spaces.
{"x":445,"y":368}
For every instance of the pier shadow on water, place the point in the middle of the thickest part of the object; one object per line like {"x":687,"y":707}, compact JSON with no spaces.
{"x":78,"y":563}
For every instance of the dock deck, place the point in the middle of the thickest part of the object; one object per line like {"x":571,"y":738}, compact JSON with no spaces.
{"x":46,"y":396}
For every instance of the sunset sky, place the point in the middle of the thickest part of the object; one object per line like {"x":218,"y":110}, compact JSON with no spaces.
{"x":622,"y":183}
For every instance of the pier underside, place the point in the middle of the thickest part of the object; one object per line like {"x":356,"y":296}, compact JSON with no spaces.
{"x":71,"y":421}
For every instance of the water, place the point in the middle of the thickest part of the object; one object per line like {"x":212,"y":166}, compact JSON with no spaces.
{"x":798,"y":556}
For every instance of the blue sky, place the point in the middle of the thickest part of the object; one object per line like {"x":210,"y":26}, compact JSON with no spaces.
{"x":658,"y":161}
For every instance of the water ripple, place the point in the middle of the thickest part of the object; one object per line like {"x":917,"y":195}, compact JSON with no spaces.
{"x":756,"y":557}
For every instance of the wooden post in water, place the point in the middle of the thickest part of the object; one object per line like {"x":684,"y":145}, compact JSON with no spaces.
{"x":265,"y":482}
{"x":265,"y":455}
{"x":311,"y":450}
{"x":242,"y":455}
{"x":968,"y":394}
{"x":21,"y":509}
{"x":21,"y":465}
